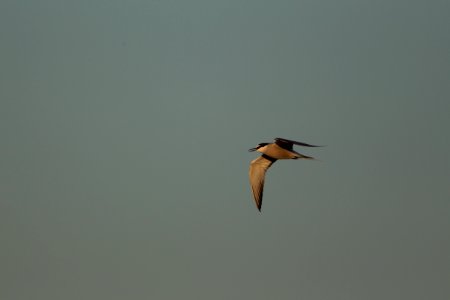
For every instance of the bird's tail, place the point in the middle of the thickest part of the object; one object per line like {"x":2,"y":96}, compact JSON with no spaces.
{"x":299,"y":155}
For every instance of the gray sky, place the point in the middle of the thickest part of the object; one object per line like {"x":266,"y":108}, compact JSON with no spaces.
{"x":125,"y":127}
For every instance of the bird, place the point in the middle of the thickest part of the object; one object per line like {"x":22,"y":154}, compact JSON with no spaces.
{"x":271,"y":152}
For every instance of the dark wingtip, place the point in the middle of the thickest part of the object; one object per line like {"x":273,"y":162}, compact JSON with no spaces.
{"x":296,"y":142}
{"x":308,"y":145}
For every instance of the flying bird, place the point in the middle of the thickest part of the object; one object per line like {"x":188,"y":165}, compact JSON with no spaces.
{"x":271,"y":152}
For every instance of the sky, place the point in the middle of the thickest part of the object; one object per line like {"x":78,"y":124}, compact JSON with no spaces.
{"x":125,"y":127}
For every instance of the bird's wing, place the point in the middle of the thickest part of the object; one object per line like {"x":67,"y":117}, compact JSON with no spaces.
{"x":257,"y":172}
{"x":283,"y":143}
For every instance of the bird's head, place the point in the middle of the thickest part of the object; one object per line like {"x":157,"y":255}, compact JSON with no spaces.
{"x":260,"y":145}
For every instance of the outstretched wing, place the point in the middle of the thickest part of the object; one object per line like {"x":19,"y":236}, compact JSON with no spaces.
{"x":257,"y":173}
{"x":287,"y":144}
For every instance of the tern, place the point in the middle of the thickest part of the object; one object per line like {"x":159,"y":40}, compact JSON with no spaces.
{"x":271,"y":152}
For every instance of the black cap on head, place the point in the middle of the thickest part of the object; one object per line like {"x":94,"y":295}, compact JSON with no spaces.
{"x":257,"y":147}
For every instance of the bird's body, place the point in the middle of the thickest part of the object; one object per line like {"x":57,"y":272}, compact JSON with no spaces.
{"x":275,"y":151}
{"x":271,"y":152}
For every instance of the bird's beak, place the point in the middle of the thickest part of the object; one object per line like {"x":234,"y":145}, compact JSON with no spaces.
{"x":252,"y":149}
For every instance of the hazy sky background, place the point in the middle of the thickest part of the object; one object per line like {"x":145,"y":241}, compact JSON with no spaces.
{"x":125,"y":127}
